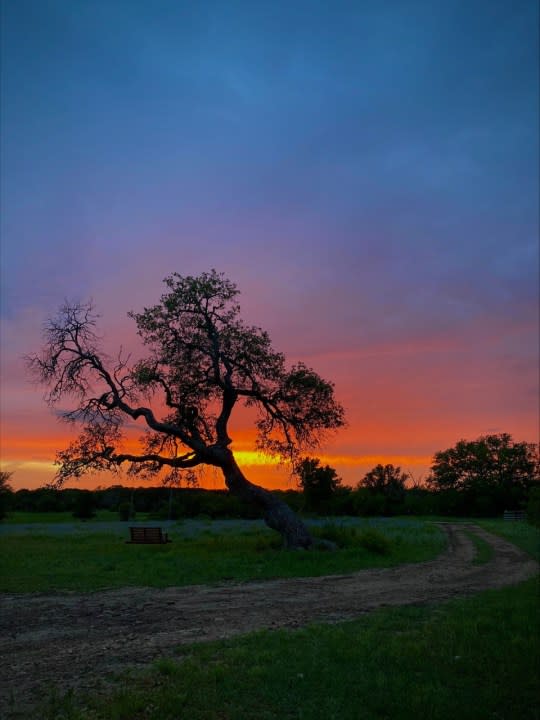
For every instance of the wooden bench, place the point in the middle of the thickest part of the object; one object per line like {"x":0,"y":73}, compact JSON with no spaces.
{"x":515,"y":515}
{"x":148,"y":535}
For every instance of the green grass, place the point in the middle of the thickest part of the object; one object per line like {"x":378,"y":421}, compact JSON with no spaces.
{"x":87,"y":562}
{"x":471,"y":659}
{"x":484,"y":551}
{"x":525,"y":536}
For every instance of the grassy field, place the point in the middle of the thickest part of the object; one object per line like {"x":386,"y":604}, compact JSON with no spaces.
{"x":470,"y":659}
{"x":80,"y":561}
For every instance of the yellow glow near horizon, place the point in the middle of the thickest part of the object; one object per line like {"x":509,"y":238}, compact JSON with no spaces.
{"x":17,"y":464}
{"x":255,"y":458}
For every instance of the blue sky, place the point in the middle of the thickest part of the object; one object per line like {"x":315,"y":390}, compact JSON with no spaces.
{"x":367,"y":172}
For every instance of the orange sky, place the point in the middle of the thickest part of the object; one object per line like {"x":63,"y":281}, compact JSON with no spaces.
{"x":404,"y":400}
{"x":31,"y":460}
{"x":395,"y":429}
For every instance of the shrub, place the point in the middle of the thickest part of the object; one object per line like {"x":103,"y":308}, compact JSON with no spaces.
{"x":340,"y":535}
{"x":375,"y":542}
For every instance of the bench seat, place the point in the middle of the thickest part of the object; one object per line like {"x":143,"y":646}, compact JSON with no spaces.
{"x":148,"y":536}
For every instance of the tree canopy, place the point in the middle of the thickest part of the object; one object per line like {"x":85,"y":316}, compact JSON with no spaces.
{"x":492,"y":465}
{"x":387,"y":480}
{"x":201,"y":361}
{"x":5,"y":492}
{"x":318,"y":482}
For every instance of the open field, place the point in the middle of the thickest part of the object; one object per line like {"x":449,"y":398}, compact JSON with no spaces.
{"x":470,"y":658}
{"x":81,"y":557}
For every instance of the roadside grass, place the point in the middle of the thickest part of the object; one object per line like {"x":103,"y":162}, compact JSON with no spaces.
{"x":525,"y":536}
{"x":484,"y":551}
{"x":472,"y":659}
{"x":85,"y":562}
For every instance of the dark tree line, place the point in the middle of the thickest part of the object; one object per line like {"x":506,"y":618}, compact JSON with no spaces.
{"x":483,"y":477}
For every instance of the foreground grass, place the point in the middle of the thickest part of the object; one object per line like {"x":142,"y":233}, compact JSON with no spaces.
{"x":469,"y":659}
{"x":33,"y":563}
{"x":521,"y":534}
{"x":484,"y":551}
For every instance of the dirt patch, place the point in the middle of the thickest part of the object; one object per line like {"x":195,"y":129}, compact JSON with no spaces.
{"x":75,"y":640}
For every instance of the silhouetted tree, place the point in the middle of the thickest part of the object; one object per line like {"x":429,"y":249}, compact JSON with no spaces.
{"x":202,"y":361}
{"x":491,"y":472}
{"x":6,"y":492}
{"x":318,"y":483}
{"x":386,"y":480}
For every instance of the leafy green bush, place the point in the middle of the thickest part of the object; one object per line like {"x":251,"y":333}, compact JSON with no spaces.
{"x":343,"y":536}
{"x":375,"y":542}
{"x":347,"y":537}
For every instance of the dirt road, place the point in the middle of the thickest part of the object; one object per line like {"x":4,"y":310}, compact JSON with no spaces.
{"x":73,"y":639}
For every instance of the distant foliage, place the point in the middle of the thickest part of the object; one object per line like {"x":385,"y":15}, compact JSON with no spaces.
{"x":85,"y":506}
{"x":382,"y":490}
{"x":487,"y":475}
{"x":386,"y":479}
{"x":6,"y":493}
{"x":319,"y":483}
{"x":481,"y":478}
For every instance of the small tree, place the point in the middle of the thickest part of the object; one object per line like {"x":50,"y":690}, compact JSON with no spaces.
{"x":202,"y":361}
{"x":491,"y":472}
{"x":6,"y":492}
{"x":318,"y":483}
{"x":387,"y":481}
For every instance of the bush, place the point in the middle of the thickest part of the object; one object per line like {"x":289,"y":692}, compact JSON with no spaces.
{"x":375,"y":542}
{"x":340,"y":535}
{"x":347,"y":537}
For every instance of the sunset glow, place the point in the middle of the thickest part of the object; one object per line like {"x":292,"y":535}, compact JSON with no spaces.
{"x":376,"y":204}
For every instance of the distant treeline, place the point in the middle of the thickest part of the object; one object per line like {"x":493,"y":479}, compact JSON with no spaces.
{"x":478,"y":478}
{"x":177,"y":503}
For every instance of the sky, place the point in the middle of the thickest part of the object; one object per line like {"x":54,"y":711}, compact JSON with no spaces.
{"x":366,"y":172}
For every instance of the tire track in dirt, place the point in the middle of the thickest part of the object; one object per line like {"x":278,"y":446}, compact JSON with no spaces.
{"x":74,"y":640}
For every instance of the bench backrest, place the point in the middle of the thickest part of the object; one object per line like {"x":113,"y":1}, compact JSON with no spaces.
{"x":146,"y":534}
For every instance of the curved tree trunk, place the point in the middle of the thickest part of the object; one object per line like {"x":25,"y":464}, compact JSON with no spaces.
{"x":277,"y":514}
